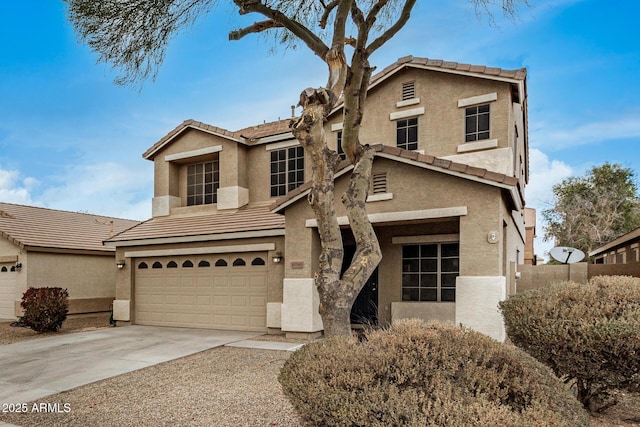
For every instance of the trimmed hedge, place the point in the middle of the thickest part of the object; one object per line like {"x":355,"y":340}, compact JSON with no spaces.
{"x":45,"y":309}
{"x":415,"y":375}
{"x":587,"y":333}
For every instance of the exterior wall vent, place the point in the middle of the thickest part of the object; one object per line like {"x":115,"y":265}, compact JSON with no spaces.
{"x":408,"y":90}
{"x":379,"y":183}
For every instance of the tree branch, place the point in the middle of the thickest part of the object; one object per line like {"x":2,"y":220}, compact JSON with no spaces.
{"x":327,"y":11}
{"x":393,"y":30}
{"x":312,"y":41}
{"x":257,"y":27}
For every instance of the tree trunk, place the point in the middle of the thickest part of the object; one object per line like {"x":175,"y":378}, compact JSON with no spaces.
{"x":336,"y":295}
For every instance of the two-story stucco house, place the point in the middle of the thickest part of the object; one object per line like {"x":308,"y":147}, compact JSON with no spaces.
{"x":233,"y":242}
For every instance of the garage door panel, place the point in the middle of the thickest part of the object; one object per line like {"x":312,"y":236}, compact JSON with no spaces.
{"x":225,"y":297}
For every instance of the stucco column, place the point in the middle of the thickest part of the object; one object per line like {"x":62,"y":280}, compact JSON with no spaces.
{"x":477,"y":299}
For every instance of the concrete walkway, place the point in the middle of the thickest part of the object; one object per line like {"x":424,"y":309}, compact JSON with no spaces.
{"x":34,"y":369}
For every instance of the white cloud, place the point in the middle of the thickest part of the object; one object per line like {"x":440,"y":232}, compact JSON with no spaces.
{"x":623,"y":127}
{"x":110,"y":189}
{"x":15,"y":190}
{"x":545,"y":173}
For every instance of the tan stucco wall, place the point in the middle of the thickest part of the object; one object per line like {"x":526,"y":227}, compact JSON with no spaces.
{"x":485,"y":213}
{"x":89,"y":279}
{"x":441,"y":127}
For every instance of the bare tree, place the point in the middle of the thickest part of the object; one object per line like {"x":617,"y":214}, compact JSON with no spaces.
{"x":133,"y":35}
{"x":594,"y":209}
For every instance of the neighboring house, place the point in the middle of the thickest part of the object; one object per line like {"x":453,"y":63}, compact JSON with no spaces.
{"x":233,"y":242}
{"x":623,"y":250}
{"x":45,"y":247}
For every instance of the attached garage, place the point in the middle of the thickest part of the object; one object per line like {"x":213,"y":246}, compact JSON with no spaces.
{"x":217,"y":291}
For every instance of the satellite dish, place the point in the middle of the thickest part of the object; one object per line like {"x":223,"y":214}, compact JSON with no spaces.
{"x":566,"y":255}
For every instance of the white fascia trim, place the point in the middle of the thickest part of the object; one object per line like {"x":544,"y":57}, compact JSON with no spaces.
{"x":478,"y":145}
{"x":511,"y":188}
{"x":428,"y":238}
{"x":407,"y":113}
{"x":199,"y":238}
{"x":337,"y":126}
{"x":193,"y":153}
{"x":407,"y":102}
{"x":275,"y":138}
{"x":480,"y":99}
{"x":379,"y":197}
{"x":259,"y":247}
{"x":283,"y":144}
{"x":402,"y":216}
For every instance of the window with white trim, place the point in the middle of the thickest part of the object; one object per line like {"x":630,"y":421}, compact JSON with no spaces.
{"x":287,"y":170}
{"x":477,"y":123}
{"x":407,"y":134}
{"x":203,"y":180}
{"x":429,"y":272}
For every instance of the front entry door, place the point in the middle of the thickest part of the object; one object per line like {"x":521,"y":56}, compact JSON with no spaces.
{"x":365,"y":308}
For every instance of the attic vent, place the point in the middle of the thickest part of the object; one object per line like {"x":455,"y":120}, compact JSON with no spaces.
{"x":379,"y":182}
{"x":408,"y":90}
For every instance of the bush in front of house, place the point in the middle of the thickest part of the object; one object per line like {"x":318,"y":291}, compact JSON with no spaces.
{"x":587,"y":333}
{"x":45,"y":309}
{"x":416,"y":374}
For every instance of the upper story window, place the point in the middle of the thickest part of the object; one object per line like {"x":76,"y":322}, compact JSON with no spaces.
{"x":203,"y":180}
{"x":477,"y":123}
{"x":408,"y":90}
{"x":287,"y":170}
{"x":429,"y":272}
{"x":407,"y":134}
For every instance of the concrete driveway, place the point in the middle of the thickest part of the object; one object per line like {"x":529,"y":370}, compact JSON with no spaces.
{"x":31,"y":370}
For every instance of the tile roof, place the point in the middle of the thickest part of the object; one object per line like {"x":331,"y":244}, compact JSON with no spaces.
{"x":266,"y":129}
{"x":34,"y":227}
{"x":282,"y":126}
{"x":248,"y":218}
{"x":432,"y":162}
{"x":243,"y":135}
{"x":447,"y":66}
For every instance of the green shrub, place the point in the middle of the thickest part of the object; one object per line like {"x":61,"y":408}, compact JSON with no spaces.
{"x":45,"y":309}
{"x":589,"y":334}
{"x":424,"y":375}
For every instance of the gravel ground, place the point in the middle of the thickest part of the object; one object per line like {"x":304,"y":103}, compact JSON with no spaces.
{"x":224,"y":386}
{"x":10,"y":334}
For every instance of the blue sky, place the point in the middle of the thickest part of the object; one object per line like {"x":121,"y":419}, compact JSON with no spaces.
{"x":71,"y":139}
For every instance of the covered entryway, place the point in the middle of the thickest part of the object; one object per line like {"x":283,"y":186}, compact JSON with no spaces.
{"x":220,"y":291}
{"x":7,"y":291}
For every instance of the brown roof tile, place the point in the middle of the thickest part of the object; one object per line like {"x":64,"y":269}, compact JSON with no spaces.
{"x":266,"y":129}
{"x":28,"y":226}
{"x":443,"y":164}
{"x":254,"y":218}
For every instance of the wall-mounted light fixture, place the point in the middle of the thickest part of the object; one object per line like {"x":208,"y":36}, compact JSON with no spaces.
{"x":18,"y":266}
{"x":120,"y":264}
{"x":277,"y":258}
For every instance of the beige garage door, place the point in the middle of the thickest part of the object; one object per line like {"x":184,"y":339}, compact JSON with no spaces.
{"x":213,"y":291}
{"x":7,"y":291}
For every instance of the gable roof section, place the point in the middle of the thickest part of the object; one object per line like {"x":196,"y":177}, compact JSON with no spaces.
{"x":242,"y":136}
{"x":450,"y":67}
{"x":267,"y":131}
{"x":461,"y":170}
{"x":249,"y":221}
{"x":39,"y":228}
